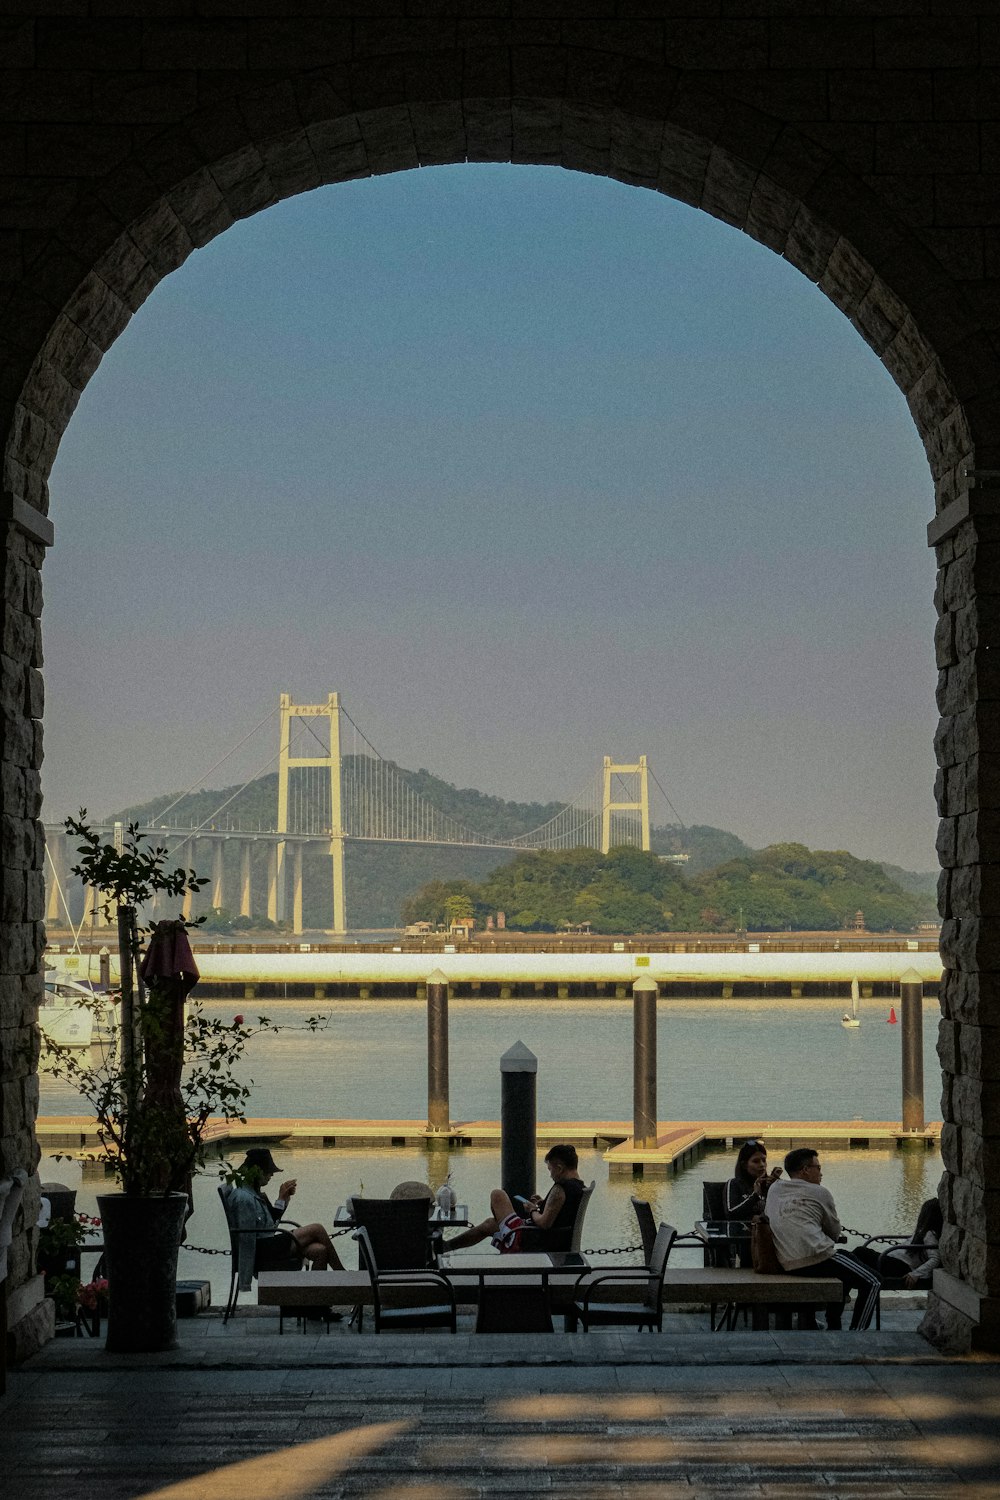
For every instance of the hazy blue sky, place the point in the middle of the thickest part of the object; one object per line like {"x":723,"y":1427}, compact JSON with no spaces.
{"x":533,"y":468}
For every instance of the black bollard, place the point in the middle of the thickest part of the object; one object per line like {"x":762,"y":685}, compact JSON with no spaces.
{"x":518,"y":1078}
{"x":437,"y":1052}
{"x":644,"y":995}
{"x":911,"y":1004}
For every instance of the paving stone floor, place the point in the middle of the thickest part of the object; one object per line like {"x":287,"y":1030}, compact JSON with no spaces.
{"x":238,"y":1412}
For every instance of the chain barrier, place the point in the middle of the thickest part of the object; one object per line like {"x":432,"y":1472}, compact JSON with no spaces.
{"x":620,"y":1250}
{"x":206,"y":1250}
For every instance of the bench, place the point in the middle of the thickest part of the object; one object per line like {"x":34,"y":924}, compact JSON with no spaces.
{"x":291,"y":1290}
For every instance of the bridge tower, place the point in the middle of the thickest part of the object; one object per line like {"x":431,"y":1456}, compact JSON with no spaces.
{"x":639,"y":790}
{"x":330,"y":711}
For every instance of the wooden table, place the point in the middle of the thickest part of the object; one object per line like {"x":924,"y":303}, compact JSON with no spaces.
{"x":513,"y":1290}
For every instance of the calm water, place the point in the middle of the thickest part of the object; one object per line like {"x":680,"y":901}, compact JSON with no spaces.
{"x":770,"y":1059}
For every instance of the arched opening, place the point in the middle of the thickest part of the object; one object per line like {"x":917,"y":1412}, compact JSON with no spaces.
{"x":224,"y":165}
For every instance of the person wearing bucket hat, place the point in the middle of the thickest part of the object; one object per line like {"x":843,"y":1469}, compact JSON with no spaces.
{"x":264,"y":1246}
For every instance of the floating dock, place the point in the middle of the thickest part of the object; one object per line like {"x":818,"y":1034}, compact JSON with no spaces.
{"x":679,"y":1143}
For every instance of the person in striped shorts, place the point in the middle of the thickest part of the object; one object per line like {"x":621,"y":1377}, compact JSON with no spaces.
{"x":807,"y":1234}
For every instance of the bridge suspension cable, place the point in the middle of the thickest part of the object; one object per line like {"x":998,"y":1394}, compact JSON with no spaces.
{"x":382,"y":802}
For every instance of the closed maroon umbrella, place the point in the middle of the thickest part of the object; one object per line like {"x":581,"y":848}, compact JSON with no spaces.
{"x":169,"y":973}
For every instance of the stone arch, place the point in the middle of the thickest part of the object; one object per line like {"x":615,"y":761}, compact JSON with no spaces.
{"x":104,"y":242}
{"x":730,"y":160}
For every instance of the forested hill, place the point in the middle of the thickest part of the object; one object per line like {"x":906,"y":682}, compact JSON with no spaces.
{"x":382,"y":877}
{"x":626,"y":891}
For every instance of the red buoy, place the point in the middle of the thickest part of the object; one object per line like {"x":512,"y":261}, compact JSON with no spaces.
{"x":892,"y":1016}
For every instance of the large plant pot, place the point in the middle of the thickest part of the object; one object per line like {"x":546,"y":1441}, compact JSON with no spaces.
{"x":141,"y":1236}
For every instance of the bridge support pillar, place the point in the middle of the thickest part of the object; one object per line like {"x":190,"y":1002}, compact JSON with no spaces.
{"x":55,"y":910}
{"x":518,"y":1085}
{"x":297,"y":889}
{"x":272,"y":883}
{"x":644,"y":1122}
{"x":438,"y":1106}
{"x":186,"y":904}
{"x":218,"y":892}
{"x":246,"y":852}
{"x":911,"y":1004}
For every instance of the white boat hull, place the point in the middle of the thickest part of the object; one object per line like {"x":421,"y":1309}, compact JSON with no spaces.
{"x":72,"y":1013}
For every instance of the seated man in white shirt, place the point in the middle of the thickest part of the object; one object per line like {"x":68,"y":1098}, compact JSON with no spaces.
{"x":806,"y":1231}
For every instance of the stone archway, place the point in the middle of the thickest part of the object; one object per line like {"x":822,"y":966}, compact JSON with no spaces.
{"x":123,"y":206}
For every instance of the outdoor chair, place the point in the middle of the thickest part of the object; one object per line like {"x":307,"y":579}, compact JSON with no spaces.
{"x":576,"y":1238}
{"x":889,"y":1283}
{"x":399,"y":1231}
{"x":647,"y":1230}
{"x":418,"y":1314}
{"x":236,"y":1236}
{"x":647,"y":1226}
{"x":713,"y":1206}
{"x":647,"y":1310}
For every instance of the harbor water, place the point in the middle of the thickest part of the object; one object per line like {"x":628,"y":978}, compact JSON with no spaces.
{"x":758,"y":1059}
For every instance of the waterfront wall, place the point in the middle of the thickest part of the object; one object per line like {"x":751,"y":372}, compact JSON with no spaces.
{"x":860,"y":144}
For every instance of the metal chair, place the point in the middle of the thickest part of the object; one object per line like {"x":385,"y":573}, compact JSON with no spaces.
{"x":647,"y":1226}
{"x":421,"y":1315}
{"x":236,"y":1236}
{"x":647,"y":1230}
{"x":713,"y":1206}
{"x":399,"y":1231}
{"x":576,"y":1238}
{"x":647,"y":1279}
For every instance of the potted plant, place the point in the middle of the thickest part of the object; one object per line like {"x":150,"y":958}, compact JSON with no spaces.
{"x":59,"y":1246}
{"x":154,"y":1092}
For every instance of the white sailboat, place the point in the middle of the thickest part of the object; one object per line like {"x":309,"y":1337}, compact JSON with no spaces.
{"x":851,"y":1019}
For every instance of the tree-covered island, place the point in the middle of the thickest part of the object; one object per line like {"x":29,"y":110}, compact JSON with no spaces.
{"x":627,"y":891}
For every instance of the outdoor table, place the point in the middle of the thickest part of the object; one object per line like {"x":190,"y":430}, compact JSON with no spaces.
{"x":513,"y":1289}
{"x":711,"y":1231}
{"x":721,"y":1237}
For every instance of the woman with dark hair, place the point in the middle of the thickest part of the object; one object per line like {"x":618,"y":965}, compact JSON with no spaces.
{"x":745,"y":1192}
{"x":747,"y":1188}
{"x":915,"y":1263}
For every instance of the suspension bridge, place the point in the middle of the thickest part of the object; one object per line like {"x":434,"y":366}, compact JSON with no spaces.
{"x":334,"y":788}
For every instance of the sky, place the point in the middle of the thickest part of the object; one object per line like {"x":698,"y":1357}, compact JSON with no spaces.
{"x":531,"y":467}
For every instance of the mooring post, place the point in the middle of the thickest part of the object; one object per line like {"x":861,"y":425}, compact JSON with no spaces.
{"x":644,"y":995}
{"x":518,"y":1080}
{"x":911,"y":1004}
{"x":437,"y":1052}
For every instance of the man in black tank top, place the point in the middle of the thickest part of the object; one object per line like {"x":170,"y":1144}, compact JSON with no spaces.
{"x":547,"y":1222}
